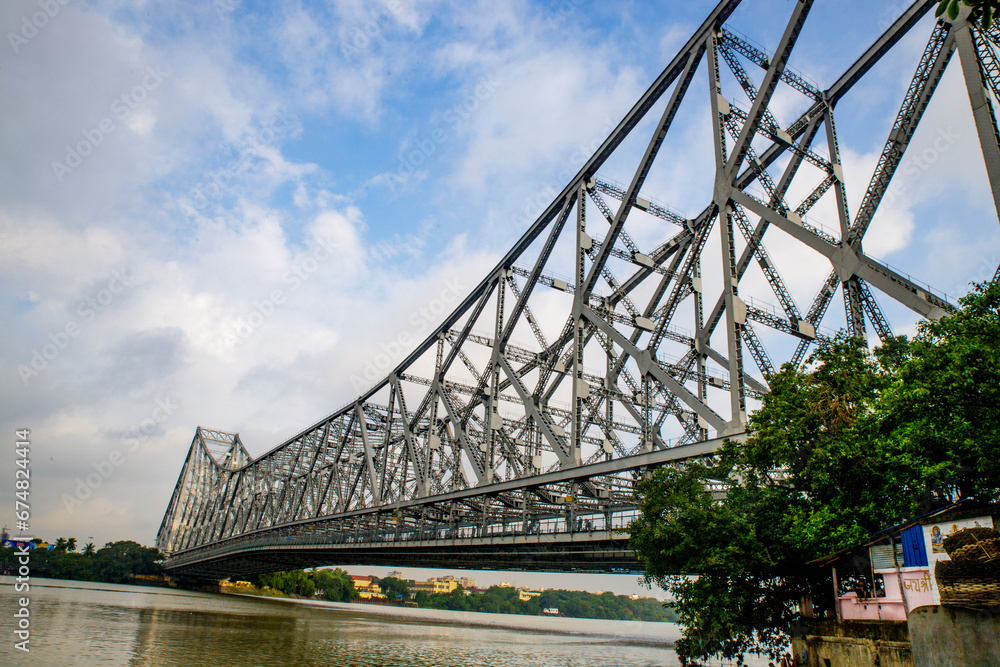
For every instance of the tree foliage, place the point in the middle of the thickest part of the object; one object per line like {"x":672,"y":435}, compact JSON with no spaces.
{"x":291,"y":582}
{"x":336,"y":585}
{"x":115,"y":562}
{"x":942,"y":408}
{"x":393,"y":587}
{"x":118,"y":562}
{"x":576,"y":604}
{"x":981,"y":12}
{"x":860,"y":441}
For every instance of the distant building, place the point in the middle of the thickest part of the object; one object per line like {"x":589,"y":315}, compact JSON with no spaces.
{"x":551,"y":611}
{"x":464,"y":582}
{"x":366,"y":587}
{"x":443,"y":584}
{"x":524,"y":596}
{"x":434,"y":586}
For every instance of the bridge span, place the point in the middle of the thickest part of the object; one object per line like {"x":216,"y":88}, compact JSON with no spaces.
{"x":609,"y":340}
{"x":475,"y":528}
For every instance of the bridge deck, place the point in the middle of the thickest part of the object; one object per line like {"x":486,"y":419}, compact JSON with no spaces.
{"x":585,"y":551}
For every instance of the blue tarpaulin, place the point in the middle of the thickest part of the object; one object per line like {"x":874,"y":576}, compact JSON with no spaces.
{"x":914,"y":553}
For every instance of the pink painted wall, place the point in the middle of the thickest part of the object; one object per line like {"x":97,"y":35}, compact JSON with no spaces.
{"x":851,"y":607}
{"x":918,"y":587}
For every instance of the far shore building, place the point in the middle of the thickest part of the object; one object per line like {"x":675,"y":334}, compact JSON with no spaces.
{"x":367,"y":588}
{"x":464,"y":582}
{"x":434,"y":585}
{"x":443,"y":584}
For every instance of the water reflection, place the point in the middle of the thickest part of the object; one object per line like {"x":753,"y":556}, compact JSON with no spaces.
{"x":75,"y":623}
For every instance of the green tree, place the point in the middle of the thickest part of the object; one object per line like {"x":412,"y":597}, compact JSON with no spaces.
{"x":290,"y":582}
{"x":981,"y":12}
{"x":942,"y":408}
{"x":579,"y":604}
{"x":343,"y":590}
{"x":71,"y":544}
{"x":336,"y":585}
{"x":61,"y":544}
{"x":118,"y":562}
{"x":393,"y":587}
{"x":749,"y":547}
{"x":833,"y":455}
{"x":88,"y":549}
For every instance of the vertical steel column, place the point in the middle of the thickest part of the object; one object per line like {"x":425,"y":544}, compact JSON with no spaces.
{"x":699,"y":356}
{"x":579,"y":397}
{"x":982,"y":108}
{"x":853,"y":308}
{"x":735,"y":308}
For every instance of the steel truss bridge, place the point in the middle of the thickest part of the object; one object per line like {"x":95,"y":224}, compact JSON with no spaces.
{"x":506,"y":441}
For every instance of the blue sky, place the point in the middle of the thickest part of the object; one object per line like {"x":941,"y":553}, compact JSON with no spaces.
{"x":225,"y":138}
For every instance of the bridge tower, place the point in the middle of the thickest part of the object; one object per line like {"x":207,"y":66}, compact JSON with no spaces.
{"x":617,"y":334}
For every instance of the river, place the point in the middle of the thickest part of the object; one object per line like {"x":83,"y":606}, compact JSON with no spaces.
{"x":83,"y":623}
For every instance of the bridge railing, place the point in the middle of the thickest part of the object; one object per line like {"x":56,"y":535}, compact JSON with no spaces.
{"x":390,"y":534}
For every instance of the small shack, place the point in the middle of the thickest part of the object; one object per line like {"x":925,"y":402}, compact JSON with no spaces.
{"x":921,"y":593}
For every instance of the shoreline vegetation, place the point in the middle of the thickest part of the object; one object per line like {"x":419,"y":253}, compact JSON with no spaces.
{"x":128,"y":562}
{"x":337,"y":586}
{"x":122,"y":562}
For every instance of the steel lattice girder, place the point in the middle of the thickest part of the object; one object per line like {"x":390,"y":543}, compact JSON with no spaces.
{"x":480,"y":444}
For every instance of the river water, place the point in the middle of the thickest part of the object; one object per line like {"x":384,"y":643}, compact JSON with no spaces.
{"x":82,"y":623}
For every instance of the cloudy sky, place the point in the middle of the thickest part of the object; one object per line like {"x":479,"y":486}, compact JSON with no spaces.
{"x":218,"y":213}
